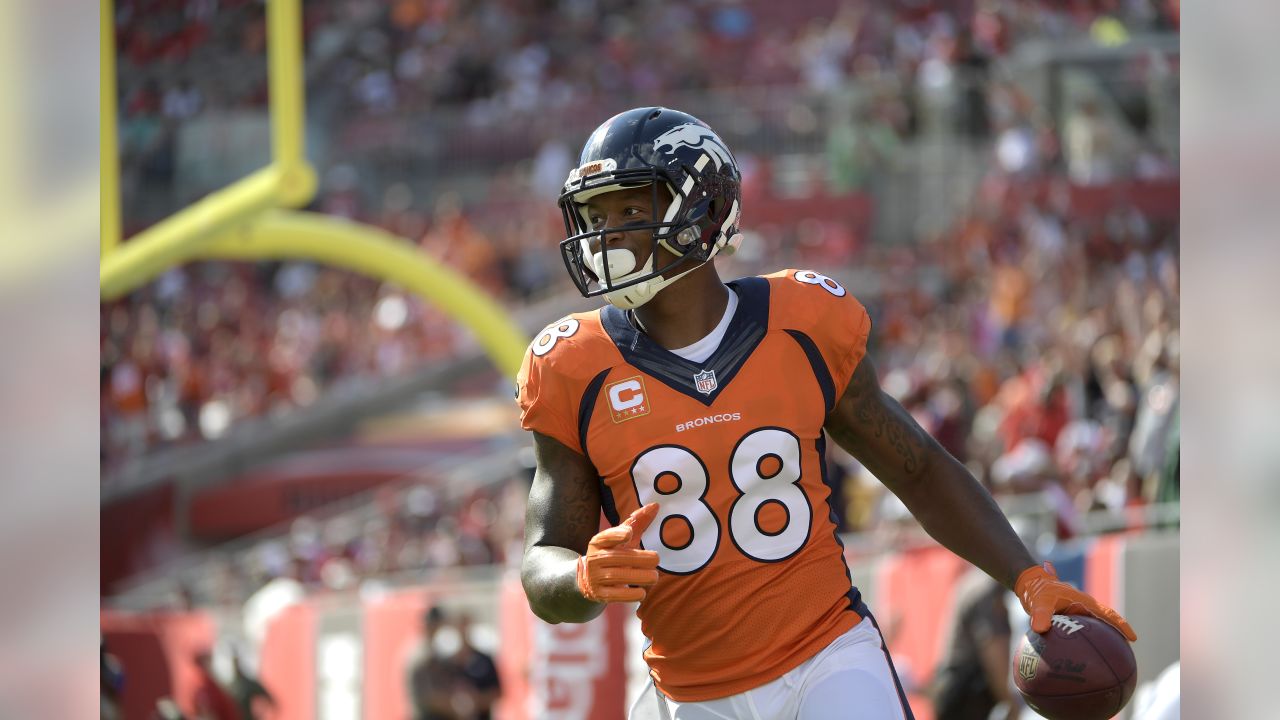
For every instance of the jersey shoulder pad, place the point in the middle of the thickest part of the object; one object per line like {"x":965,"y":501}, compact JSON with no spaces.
{"x":793,"y":286}
{"x":576,"y":345}
{"x":823,"y":311}
{"x":558,"y":365}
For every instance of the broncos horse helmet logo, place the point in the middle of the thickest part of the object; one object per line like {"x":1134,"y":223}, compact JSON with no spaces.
{"x":693,"y":136}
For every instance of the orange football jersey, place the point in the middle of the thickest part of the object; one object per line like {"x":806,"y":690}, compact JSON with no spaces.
{"x":752,"y":575}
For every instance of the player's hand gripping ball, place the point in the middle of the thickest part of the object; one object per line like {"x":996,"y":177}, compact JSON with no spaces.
{"x":615,"y":569}
{"x":1082,"y":669}
{"x":1043,"y":595}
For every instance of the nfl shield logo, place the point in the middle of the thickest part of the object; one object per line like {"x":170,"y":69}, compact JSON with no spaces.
{"x":705,"y":381}
{"x":1028,"y":662}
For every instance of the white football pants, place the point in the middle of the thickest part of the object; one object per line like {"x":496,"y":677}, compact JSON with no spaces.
{"x":850,"y":679}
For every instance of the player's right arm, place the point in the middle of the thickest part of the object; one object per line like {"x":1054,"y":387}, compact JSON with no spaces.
{"x":569,"y":573}
{"x":569,"y":569}
{"x":562,"y":515}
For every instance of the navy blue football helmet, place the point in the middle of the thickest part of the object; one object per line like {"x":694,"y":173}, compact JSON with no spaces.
{"x":670,"y":152}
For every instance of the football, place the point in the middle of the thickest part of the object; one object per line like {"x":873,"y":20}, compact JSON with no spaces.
{"x":1082,"y":669}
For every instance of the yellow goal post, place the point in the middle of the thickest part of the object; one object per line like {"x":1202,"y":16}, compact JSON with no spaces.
{"x":250,"y":219}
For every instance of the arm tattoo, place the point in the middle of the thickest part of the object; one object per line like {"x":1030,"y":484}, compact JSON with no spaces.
{"x":573,"y":513}
{"x":564,"y":502}
{"x":876,"y":429}
{"x":563,"y":514}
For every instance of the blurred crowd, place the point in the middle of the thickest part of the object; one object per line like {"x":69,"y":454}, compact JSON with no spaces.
{"x":408,"y":531}
{"x":1037,"y":341}
{"x":461,"y":86}
{"x":210,"y":344}
{"x":502,"y":62}
{"x":1040,"y":346}
{"x":1042,"y":350}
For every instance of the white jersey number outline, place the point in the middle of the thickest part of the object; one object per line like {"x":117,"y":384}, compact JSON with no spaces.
{"x":563,"y":328}
{"x":810,"y":277}
{"x":755,"y":488}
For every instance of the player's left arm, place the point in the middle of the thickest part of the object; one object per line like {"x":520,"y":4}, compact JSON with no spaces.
{"x":950,"y":503}
{"x":947,"y":500}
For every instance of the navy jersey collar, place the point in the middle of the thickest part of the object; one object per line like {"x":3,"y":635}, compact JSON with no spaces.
{"x":748,"y":327}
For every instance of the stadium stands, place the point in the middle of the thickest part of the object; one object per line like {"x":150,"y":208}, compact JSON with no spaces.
{"x":1015,"y":239}
{"x":275,"y":336}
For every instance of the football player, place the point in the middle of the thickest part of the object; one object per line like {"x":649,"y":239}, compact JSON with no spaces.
{"x":695,"y":413}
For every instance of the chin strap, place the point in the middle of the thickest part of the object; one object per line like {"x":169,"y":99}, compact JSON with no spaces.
{"x":641,"y":293}
{"x":633,"y":297}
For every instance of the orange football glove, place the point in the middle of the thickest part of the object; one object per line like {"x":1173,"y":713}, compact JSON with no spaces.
{"x":615,"y":569}
{"x":1043,"y":595}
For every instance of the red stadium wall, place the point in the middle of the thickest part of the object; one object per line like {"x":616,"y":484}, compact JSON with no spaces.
{"x":913,"y":595}
{"x":579,"y":671}
{"x":300,"y":482}
{"x":260,"y":502}
{"x":574,"y":671}
{"x":157,"y":651}
{"x":1101,"y":577}
{"x":137,"y":533}
{"x":569,"y":671}
{"x":517,"y":652}
{"x":288,"y":662}
{"x":392,"y":628}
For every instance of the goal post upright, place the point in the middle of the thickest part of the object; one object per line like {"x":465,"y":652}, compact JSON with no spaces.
{"x":287,"y":103}
{"x":250,"y":220}
{"x":108,"y":138}
{"x":289,"y":181}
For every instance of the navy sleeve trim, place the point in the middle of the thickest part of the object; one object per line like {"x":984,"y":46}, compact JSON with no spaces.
{"x":819,"y":365}
{"x":587,"y":406}
{"x":607,"y":503}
